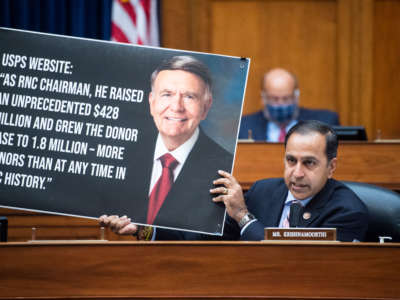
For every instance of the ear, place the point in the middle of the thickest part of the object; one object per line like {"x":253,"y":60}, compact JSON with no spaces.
{"x":332,"y":167}
{"x":296,"y":96}
{"x":263,"y":96}
{"x":151,"y":102}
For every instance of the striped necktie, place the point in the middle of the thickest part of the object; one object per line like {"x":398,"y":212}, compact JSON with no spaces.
{"x":294,"y":213}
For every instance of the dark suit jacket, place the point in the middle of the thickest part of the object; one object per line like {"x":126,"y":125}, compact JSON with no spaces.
{"x":189,"y":203}
{"x":335,"y":206}
{"x":257,"y":122}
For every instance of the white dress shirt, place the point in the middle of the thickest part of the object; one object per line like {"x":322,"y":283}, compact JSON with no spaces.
{"x":180,"y":154}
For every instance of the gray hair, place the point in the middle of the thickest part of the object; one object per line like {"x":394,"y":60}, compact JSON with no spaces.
{"x":188,"y":64}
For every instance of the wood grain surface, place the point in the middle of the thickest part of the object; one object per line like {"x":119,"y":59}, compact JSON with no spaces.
{"x":199,"y":270}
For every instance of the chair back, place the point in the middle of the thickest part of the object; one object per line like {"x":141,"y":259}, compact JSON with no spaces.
{"x":384,"y":210}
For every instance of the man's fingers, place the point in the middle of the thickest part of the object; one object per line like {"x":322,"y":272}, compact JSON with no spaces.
{"x":123,"y":222}
{"x":103,"y":220}
{"x":222,"y":181}
{"x":113,"y":221}
{"x":118,"y":225}
{"x":226,"y":177}
{"x":128,"y":229}
{"x":218,"y":199}
{"x":219,"y":190}
{"x":224,"y":174}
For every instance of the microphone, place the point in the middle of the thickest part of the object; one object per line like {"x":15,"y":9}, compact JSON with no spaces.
{"x":250,"y":134}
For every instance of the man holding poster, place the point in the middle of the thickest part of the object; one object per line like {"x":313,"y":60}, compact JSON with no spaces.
{"x":185,"y":159}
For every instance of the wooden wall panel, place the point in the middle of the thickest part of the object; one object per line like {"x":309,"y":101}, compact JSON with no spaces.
{"x":355,"y":67}
{"x":297,"y":35}
{"x":387,"y":68}
{"x":345,"y":52}
{"x":185,"y":24}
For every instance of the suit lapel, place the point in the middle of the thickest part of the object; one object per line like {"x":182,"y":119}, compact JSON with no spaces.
{"x":260,"y":130}
{"x":279,"y":196}
{"x":313,"y":209}
{"x":178,"y":200}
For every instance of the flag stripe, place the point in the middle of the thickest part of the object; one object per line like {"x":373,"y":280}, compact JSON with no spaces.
{"x":146,"y":6}
{"x":128,"y":7}
{"x":141,"y":22}
{"x":135,"y":21}
{"x":123,"y":21}
{"x":153,"y":23}
{"x":118,"y":35}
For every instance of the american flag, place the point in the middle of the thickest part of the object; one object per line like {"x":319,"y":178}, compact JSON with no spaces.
{"x":135,"y":21}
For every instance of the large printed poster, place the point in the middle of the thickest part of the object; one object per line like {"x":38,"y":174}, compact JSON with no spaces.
{"x":82,"y":122}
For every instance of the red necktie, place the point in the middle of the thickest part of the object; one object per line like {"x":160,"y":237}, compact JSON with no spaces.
{"x":282,"y":134}
{"x":162,"y":186}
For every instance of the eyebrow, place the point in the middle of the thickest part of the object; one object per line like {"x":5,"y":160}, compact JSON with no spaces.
{"x":190,"y":93}
{"x":166,"y":90}
{"x":308,"y":158}
{"x":301,"y":158}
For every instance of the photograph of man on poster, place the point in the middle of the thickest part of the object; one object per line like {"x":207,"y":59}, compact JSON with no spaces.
{"x":185,"y":160}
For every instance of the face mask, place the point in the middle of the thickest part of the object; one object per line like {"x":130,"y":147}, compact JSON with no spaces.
{"x":281,"y":113}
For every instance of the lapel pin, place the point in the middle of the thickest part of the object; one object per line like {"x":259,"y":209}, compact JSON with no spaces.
{"x":306,"y":215}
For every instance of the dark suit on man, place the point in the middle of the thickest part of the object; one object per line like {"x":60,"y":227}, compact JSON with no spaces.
{"x":335,"y":206}
{"x":257,"y":122}
{"x":189,"y":203}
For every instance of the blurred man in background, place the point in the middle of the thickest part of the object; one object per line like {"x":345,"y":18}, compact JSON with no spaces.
{"x":280,"y":97}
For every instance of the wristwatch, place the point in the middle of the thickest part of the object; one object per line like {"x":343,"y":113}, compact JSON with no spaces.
{"x":246,"y":219}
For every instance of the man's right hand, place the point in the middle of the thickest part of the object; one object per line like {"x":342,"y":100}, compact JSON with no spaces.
{"x":120,"y":225}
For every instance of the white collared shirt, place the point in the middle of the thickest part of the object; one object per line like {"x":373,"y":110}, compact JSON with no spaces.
{"x":180,"y":154}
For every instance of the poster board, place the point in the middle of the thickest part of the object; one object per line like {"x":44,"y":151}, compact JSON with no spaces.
{"x":77,"y":137}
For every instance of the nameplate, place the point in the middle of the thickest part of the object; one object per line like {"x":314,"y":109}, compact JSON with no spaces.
{"x":300,"y":234}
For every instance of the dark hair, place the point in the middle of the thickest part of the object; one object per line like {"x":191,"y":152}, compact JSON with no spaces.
{"x":188,"y":64}
{"x":307,"y":127}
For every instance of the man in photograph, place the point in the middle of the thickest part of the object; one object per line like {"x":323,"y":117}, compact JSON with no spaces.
{"x":183,"y":159}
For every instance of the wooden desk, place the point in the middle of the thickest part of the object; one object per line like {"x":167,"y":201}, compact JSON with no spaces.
{"x":199,"y":270}
{"x":375,"y":163}
{"x":53,"y":227}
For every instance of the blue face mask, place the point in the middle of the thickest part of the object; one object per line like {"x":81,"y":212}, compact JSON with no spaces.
{"x":281,"y":113}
